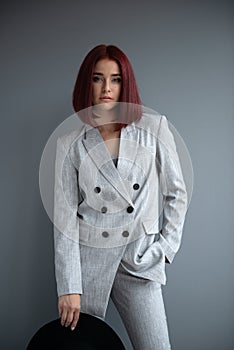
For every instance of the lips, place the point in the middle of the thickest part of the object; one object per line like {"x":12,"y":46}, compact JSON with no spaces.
{"x":106,"y":98}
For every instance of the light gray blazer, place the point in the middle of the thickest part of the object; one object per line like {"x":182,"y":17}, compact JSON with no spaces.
{"x":106,"y":215}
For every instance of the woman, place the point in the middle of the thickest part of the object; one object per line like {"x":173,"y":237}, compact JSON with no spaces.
{"x":107,"y":239}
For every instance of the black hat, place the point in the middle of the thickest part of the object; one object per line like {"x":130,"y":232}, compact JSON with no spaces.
{"x":91,"y":333}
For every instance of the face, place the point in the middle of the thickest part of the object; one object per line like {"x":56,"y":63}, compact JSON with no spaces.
{"x":106,"y":83}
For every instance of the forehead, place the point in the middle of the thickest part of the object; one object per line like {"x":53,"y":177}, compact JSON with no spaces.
{"x":106,"y":65}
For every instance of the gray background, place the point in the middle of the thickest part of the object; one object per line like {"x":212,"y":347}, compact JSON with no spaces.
{"x":182,"y":55}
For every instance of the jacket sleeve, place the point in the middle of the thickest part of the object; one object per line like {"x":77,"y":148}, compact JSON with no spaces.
{"x":173,"y":190}
{"x":66,"y":224}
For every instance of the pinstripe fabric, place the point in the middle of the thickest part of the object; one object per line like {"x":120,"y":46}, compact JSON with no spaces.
{"x":90,"y":244}
{"x":141,"y":306}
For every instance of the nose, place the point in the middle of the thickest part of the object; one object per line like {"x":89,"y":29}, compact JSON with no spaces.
{"x":106,"y":85}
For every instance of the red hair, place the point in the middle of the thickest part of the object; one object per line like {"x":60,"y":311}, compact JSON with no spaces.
{"x":82,"y":93}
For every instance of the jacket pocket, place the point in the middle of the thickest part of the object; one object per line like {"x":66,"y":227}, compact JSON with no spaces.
{"x":150,"y":227}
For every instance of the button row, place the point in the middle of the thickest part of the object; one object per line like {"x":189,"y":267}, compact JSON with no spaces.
{"x":129,"y":209}
{"x":106,"y":234}
{"x":97,"y":189}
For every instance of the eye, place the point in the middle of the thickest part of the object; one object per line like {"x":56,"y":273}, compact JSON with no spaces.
{"x":97,"y":79}
{"x":116,"y":80}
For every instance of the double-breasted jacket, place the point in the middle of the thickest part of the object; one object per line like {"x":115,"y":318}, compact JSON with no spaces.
{"x":105,"y":215}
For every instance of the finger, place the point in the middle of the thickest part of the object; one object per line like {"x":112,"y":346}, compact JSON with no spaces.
{"x":75,"y":319}
{"x":63,"y":317}
{"x":69,"y":318}
{"x":60,"y":310}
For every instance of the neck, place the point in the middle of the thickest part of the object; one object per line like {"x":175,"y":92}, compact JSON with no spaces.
{"x":108,"y":128}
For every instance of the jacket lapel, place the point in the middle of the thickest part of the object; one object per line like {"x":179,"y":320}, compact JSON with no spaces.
{"x":97,"y":150}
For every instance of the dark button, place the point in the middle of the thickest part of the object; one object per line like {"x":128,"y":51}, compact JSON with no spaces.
{"x":97,"y":189}
{"x":136,"y":186}
{"x":105,"y":234}
{"x":125,"y":233}
{"x":130,"y":209}
{"x":104,"y":209}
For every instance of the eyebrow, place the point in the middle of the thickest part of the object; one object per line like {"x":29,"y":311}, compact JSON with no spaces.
{"x":114,"y":75}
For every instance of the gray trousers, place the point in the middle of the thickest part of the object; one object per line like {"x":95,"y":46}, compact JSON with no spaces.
{"x":141,"y":307}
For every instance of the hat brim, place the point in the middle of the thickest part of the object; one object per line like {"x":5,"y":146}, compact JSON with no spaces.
{"x":90,"y":333}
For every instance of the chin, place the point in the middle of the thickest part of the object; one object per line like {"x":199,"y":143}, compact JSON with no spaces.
{"x":106,"y":106}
